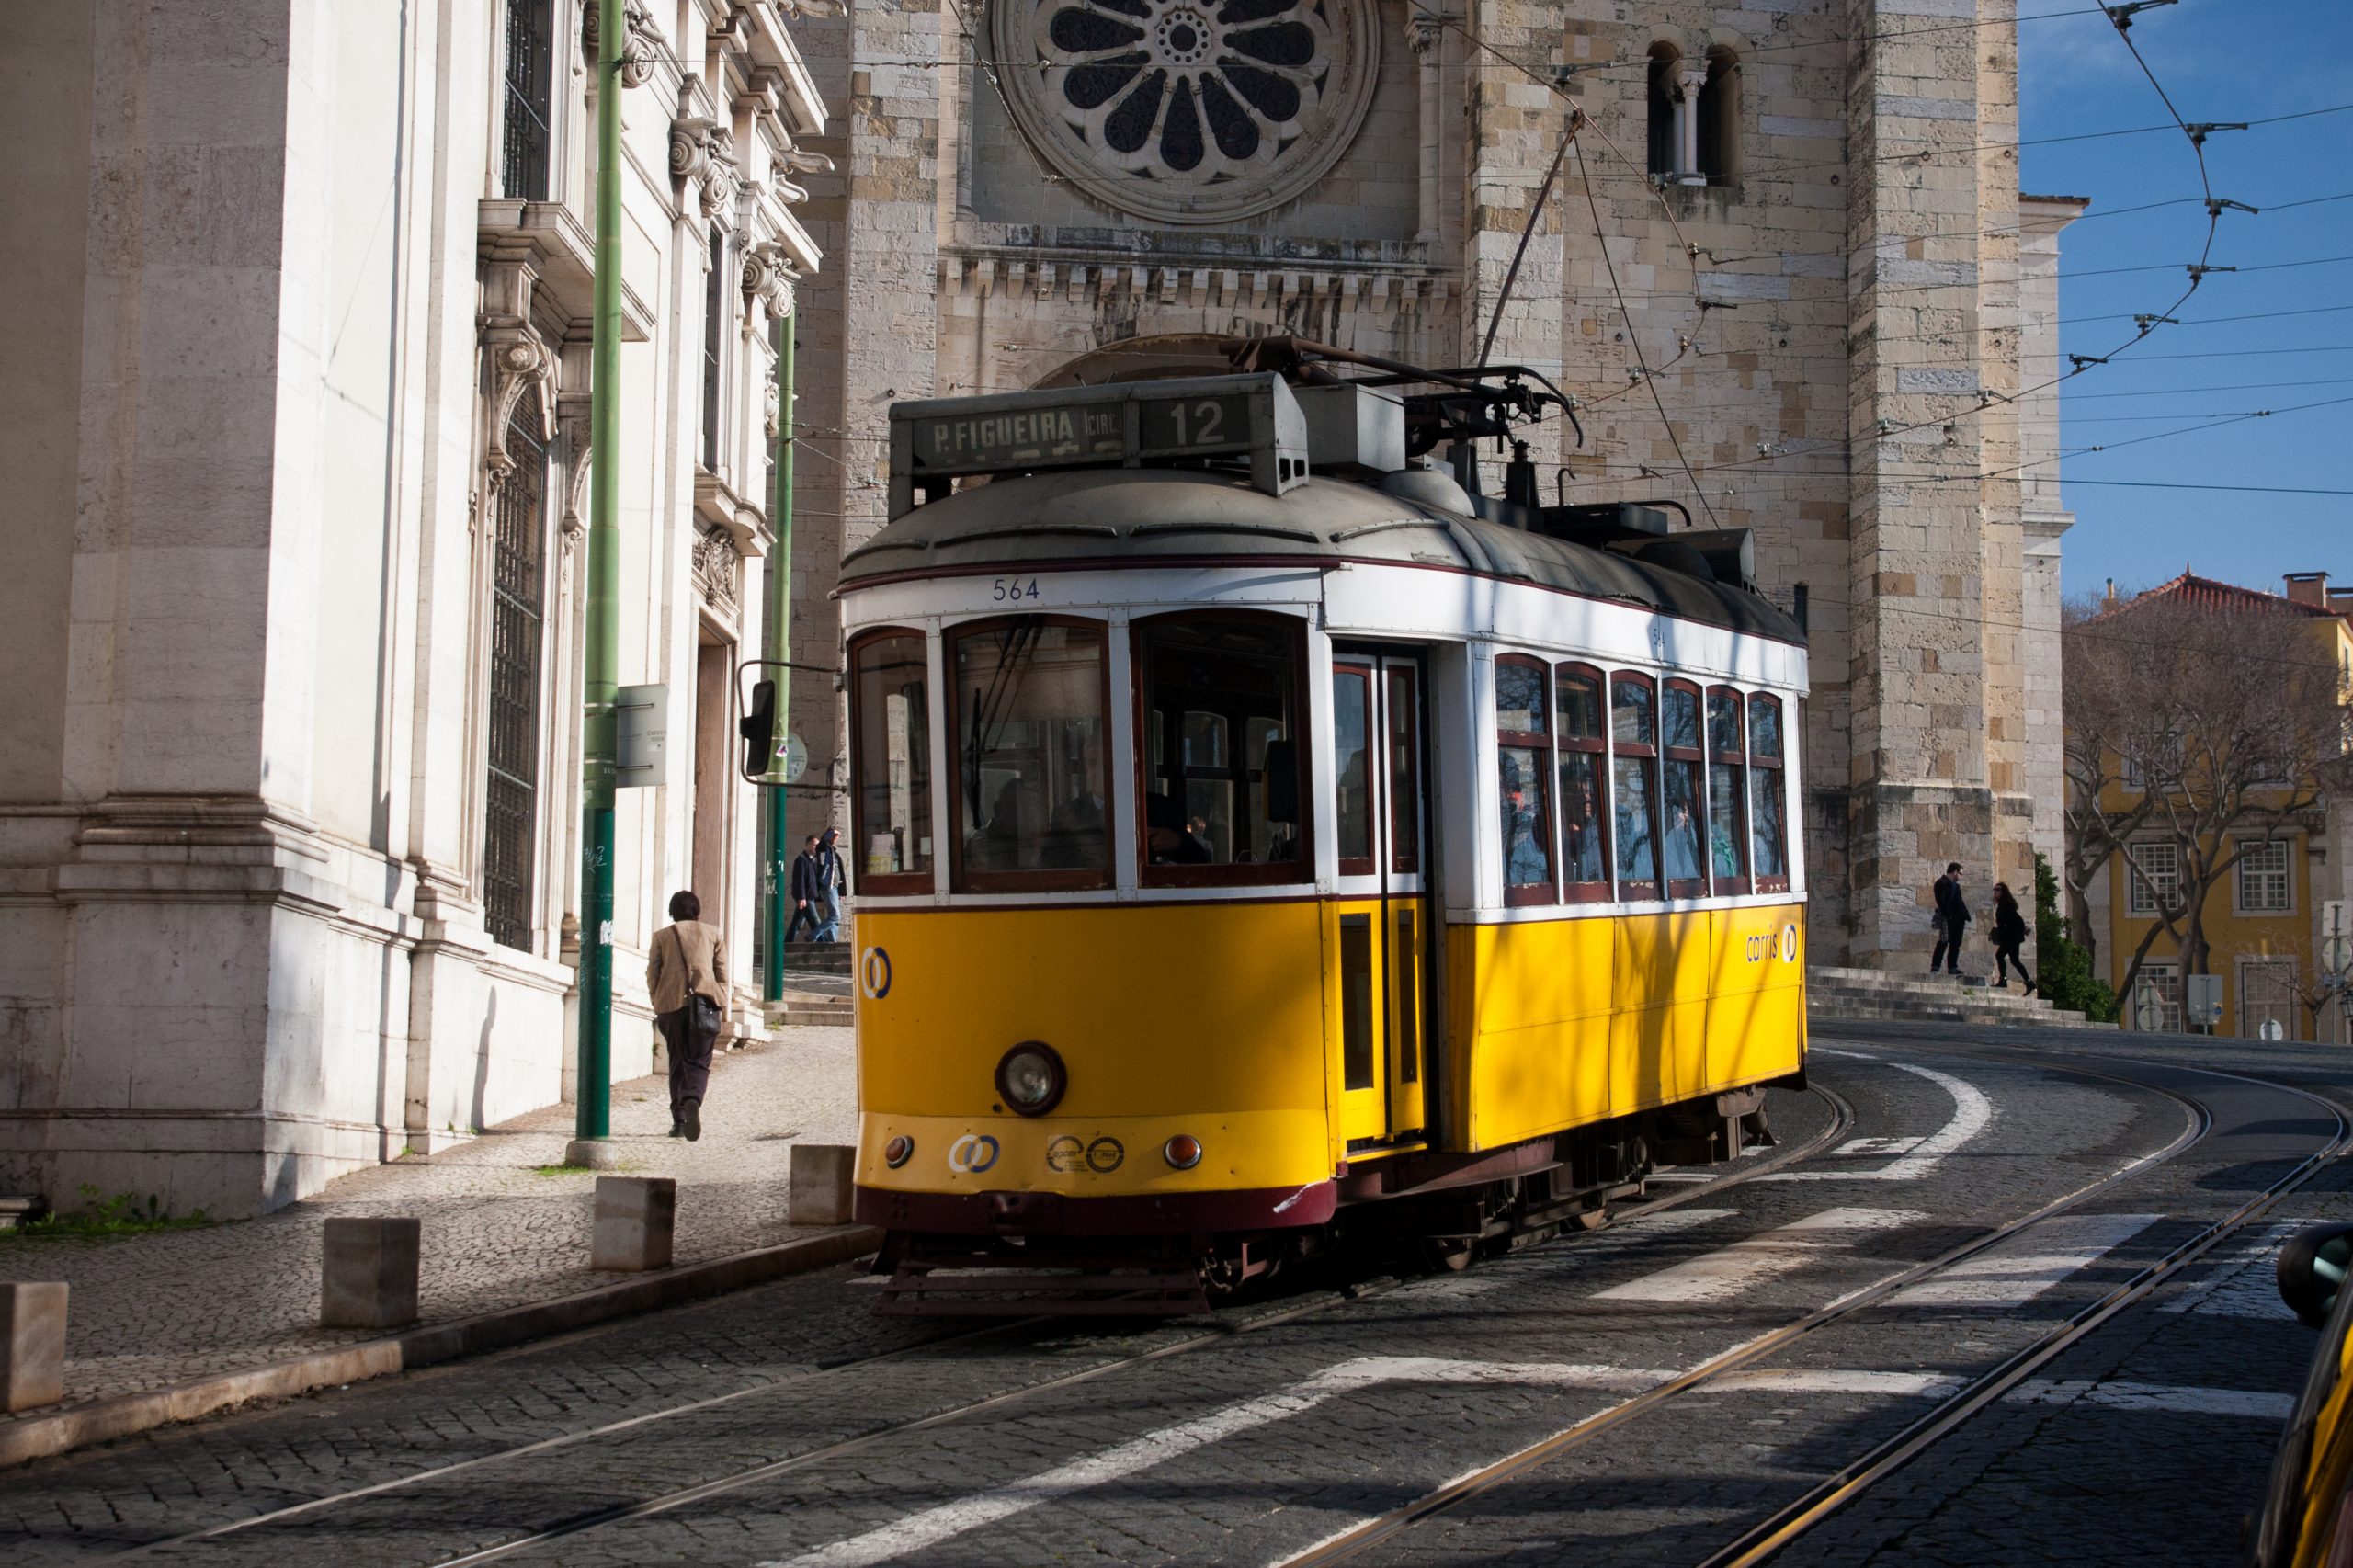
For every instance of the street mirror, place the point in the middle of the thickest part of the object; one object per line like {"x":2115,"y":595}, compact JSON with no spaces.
{"x":758,"y":727}
{"x":2312,"y":1269}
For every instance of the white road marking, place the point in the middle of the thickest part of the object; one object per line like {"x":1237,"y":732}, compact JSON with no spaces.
{"x":920,"y":1531}
{"x":1972,"y":1114}
{"x":1867,"y":1148}
{"x":2244,"y":1403}
{"x":1735,"y":1268}
{"x":2013,"y":1271}
{"x":2245,"y":1282}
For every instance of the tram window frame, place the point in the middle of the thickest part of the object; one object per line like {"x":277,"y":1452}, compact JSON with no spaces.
{"x":1736,"y":758}
{"x":1596,"y":745}
{"x":1362,"y":865}
{"x":1694,"y":759}
{"x":1228,"y":874}
{"x":887,"y":883}
{"x":1637,"y":890}
{"x":1540,"y":741}
{"x":1041,"y":879}
{"x":1761,"y":764}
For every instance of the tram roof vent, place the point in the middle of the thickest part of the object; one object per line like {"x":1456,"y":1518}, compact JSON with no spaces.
{"x":1251,"y":419}
{"x":1352,"y":431}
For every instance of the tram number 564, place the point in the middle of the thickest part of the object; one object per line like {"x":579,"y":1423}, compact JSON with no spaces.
{"x":1007,"y":589}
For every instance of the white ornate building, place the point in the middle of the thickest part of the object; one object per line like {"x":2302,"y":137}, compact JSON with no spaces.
{"x":295,"y":434}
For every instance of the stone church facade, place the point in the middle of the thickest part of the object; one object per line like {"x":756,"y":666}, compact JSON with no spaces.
{"x":295,"y":426}
{"x":1803,"y":222}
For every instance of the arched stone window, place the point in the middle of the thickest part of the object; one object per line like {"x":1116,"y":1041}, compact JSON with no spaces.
{"x":1720,"y":118}
{"x":1665,"y":111}
{"x":517,"y":641}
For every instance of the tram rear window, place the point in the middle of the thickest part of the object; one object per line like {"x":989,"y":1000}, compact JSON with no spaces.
{"x":1028,"y":732}
{"x":892,"y":715}
{"x":1220,"y":757}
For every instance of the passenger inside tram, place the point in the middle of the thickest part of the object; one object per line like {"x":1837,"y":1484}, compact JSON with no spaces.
{"x":1168,"y":837}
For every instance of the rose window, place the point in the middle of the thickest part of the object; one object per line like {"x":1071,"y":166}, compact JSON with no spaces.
{"x":1190,"y":110}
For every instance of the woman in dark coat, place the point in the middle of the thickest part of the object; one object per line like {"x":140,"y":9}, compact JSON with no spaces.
{"x":2010,"y":934}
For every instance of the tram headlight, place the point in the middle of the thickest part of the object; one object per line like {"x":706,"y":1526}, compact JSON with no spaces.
{"x":898,"y":1151}
{"x":1031,"y":1078}
{"x":1183,"y":1152}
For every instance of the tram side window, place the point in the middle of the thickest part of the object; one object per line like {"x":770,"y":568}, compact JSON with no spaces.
{"x":1351,"y":763}
{"x":1727,"y":793}
{"x":1522,"y":760}
{"x":1028,"y":730}
{"x":1220,"y":762}
{"x":1634,"y":740}
{"x":1585,"y":782}
{"x":892,"y":696}
{"x":1769,"y":828}
{"x":1680,"y":777}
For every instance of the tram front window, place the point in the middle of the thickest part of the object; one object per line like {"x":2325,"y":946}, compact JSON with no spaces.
{"x":890,"y":698}
{"x":1029,"y":728}
{"x":1220,"y":698}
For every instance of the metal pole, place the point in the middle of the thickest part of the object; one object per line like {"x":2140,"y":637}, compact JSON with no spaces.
{"x":779,"y":877}
{"x":593,"y":1118}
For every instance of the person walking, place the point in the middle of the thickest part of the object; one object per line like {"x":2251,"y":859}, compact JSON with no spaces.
{"x":1951,"y":921}
{"x":831,"y":884}
{"x":686,"y":973}
{"x":806,"y":900}
{"x":2010,"y":934}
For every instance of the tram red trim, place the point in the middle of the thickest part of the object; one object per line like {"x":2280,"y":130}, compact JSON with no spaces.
{"x":1055,"y":1214}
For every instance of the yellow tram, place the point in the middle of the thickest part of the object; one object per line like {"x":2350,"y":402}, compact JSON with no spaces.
{"x":1261,"y":838}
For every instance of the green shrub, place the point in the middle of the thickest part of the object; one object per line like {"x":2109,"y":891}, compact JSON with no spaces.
{"x":122,"y":1215}
{"x":2063,"y":967}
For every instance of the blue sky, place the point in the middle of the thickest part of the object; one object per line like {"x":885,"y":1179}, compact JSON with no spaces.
{"x":2219,"y":60}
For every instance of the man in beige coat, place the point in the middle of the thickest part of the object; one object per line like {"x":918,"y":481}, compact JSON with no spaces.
{"x":685,"y":971}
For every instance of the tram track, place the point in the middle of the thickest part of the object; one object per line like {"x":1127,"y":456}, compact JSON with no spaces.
{"x":1786,"y":1525}
{"x":1841,"y":1120}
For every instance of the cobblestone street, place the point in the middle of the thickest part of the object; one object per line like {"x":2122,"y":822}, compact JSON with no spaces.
{"x":1666,"y":1383}
{"x":504,"y":1225}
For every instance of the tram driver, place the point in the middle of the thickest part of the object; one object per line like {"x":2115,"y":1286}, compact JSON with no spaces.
{"x":1170,"y":841}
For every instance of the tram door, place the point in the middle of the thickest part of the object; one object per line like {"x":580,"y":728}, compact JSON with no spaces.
{"x":1384,"y":910}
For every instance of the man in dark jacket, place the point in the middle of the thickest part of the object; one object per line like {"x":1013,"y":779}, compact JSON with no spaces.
{"x":1951,"y":921}
{"x":830,"y":883}
{"x":807,"y":906}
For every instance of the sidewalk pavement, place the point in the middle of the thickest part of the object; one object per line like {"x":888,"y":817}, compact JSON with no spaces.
{"x":168,"y":1308}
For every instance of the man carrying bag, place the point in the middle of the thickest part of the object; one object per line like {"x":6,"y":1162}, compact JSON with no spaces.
{"x":686,"y":973}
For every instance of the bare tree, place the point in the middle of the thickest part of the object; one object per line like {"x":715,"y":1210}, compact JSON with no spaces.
{"x":2212,"y":729}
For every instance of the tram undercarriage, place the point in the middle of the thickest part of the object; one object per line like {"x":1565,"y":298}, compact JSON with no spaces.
{"x":1438,"y":1213}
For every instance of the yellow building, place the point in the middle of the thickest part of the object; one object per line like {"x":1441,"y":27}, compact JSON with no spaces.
{"x":2267,"y":921}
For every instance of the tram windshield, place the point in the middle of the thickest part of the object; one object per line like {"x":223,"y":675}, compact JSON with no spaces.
{"x":1220,"y":697}
{"x":1029,"y":754}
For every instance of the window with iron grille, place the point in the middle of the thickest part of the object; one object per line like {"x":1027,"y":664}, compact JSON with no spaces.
{"x":714,"y":316}
{"x":519,"y":575}
{"x":2156,"y":885}
{"x":2263,"y":877}
{"x":2267,"y":993}
{"x":2156,"y":1001}
{"x":530,"y":39}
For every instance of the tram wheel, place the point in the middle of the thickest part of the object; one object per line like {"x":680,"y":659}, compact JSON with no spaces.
{"x":1448,"y":1254}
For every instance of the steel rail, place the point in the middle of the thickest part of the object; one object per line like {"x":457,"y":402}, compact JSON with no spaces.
{"x":1406,"y":1516}
{"x":1786,"y":1523}
{"x":1842,"y":1118}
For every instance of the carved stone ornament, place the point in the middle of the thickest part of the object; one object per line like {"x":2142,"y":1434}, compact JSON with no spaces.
{"x":521,"y":362}
{"x":772,"y":409}
{"x":640,"y":49}
{"x":717,"y":570}
{"x":1189,"y":111}
{"x":574,"y":526}
{"x":768,"y":274}
{"x":704,"y":150}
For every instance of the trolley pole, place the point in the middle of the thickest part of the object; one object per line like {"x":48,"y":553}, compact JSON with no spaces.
{"x":780,"y":649}
{"x":593,"y":1120}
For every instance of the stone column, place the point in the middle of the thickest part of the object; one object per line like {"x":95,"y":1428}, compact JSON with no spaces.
{"x":1686,"y":125}
{"x":1430,"y":53}
{"x":1932,"y":552}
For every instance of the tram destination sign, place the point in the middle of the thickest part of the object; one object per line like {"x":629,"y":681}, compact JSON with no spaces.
{"x":1130,"y":425}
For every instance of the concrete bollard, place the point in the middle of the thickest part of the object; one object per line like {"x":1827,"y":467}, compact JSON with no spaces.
{"x":636,"y":1217}
{"x":819,"y":1193}
{"x":369,"y":1277}
{"x":32,"y":1345}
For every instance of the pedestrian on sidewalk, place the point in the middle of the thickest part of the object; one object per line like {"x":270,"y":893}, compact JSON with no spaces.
{"x":807,"y":901}
{"x":2010,"y":934}
{"x":685,"y":971}
{"x":1951,"y":921}
{"x":832,"y":883}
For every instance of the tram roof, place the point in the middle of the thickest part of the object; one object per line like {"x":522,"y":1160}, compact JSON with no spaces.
{"x":1132,"y":517}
